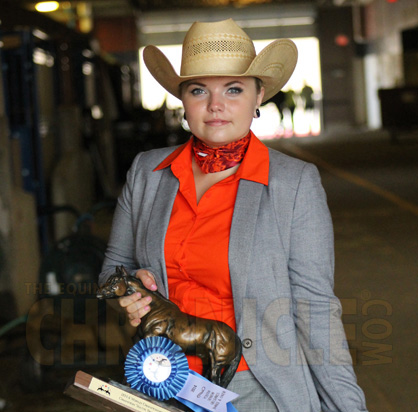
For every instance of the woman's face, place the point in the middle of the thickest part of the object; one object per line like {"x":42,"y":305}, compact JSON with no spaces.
{"x":220,"y":110}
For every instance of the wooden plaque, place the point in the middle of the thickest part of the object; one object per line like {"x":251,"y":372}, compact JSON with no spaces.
{"x":113,"y":396}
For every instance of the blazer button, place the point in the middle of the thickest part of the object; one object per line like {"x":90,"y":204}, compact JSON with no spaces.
{"x":247,"y":343}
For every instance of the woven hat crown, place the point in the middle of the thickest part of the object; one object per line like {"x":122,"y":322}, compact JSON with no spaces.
{"x":222,"y":46}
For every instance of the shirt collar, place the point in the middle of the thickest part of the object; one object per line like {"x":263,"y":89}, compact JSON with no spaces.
{"x":172,"y":157}
{"x":254,"y":167}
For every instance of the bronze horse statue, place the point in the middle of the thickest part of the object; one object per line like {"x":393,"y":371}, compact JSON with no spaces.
{"x":214,"y":342}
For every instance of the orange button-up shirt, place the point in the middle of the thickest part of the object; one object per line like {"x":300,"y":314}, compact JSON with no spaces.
{"x":197,"y":239}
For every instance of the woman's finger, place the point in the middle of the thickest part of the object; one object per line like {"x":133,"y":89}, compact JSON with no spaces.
{"x":147,"y":279}
{"x":125,"y":301}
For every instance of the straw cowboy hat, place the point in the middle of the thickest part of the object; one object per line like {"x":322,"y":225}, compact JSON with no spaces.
{"x":224,"y":49}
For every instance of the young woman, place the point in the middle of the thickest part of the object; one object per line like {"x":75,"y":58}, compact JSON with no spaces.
{"x":231,"y":230}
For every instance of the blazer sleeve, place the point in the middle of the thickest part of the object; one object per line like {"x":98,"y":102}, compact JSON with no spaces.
{"x":121,"y":245}
{"x":317,"y":310}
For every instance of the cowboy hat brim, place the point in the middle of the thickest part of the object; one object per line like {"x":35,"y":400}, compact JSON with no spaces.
{"x":273,"y":66}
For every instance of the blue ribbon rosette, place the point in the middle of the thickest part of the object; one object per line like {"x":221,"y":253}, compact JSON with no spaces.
{"x":158,"y":367}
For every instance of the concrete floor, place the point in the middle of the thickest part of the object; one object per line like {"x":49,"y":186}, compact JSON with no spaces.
{"x":372,"y":188}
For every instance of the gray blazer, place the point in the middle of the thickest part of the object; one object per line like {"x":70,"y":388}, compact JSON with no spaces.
{"x":281,"y":266}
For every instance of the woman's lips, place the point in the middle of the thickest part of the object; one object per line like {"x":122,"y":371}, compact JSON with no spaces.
{"x":216,"y":122}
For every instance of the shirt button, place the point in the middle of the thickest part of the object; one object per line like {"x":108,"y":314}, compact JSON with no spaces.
{"x":247,"y":343}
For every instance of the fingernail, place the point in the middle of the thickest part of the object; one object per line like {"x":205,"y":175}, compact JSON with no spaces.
{"x":138,"y":294}
{"x":153,"y":286}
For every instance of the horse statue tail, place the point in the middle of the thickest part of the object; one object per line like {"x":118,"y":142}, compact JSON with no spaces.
{"x":230,"y":370}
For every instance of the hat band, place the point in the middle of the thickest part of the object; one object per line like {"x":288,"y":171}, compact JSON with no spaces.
{"x":218,"y":46}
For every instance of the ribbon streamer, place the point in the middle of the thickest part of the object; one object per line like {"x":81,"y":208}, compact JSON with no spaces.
{"x":196,"y":404}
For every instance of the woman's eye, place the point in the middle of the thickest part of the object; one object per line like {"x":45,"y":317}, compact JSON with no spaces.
{"x":234,"y":90}
{"x":196,"y":91}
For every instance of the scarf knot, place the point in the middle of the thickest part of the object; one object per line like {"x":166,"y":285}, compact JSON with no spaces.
{"x":217,"y":159}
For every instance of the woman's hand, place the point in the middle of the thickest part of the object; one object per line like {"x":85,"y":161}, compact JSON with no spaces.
{"x":135,"y":305}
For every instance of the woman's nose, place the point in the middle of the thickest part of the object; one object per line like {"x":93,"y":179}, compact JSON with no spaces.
{"x":216,"y":103}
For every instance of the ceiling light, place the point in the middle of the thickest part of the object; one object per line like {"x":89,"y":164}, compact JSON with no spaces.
{"x":47,"y":6}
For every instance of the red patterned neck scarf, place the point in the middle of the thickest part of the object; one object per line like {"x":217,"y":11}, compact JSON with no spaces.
{"x":217,"y":159}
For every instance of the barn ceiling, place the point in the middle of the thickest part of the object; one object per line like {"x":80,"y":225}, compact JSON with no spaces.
{"x":66,"y":21}
{"x":116,"y":7}
{"x":22,"y":12}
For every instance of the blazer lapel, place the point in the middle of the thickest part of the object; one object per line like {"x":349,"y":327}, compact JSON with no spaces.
{"x":159,"y":220}
{"x":243,"y":226}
